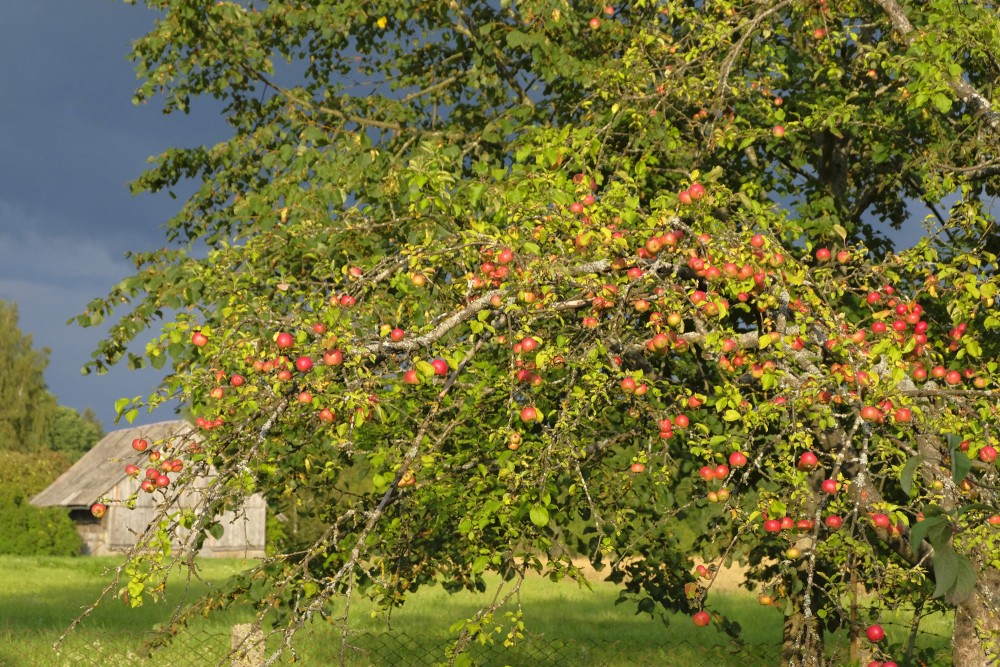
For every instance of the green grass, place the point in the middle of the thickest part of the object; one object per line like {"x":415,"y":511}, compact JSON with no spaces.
{"x":566,"y":624}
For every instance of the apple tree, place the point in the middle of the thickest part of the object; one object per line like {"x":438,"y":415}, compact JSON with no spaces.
{"x":488,"y":286}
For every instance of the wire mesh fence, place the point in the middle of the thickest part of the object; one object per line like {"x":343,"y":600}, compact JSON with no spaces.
{"x":203,"y":647}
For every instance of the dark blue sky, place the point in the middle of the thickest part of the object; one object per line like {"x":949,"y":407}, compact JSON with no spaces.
{"x":70,"y":141}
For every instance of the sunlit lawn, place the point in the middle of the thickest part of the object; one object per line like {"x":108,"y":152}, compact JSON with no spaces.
{"x":566,"y":624}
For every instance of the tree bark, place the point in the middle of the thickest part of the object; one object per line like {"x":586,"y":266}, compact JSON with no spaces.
{"x":976,"y":635}
{"x":802,"y":640}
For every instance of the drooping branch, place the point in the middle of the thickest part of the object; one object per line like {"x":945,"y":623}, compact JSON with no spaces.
{"x":965,"y":91}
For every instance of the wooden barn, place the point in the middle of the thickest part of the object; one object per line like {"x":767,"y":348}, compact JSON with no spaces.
{"x":100,"y":473}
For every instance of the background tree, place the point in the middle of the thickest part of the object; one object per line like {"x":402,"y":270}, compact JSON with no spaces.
{"x":39,"y":440}
{"x":517,"y":282}
{"x":26,"y":406}
{"x":73,"y":433}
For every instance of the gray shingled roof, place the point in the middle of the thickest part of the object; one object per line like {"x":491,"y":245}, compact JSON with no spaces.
{"x":100,"y":469}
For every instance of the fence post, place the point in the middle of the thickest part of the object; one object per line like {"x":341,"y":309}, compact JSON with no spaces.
{"x":247,"y":643}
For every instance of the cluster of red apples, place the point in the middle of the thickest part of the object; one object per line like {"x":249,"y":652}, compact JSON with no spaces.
{"x":153,"y":477}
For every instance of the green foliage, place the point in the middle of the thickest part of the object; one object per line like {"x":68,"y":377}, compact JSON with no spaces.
{"x":30,"y":418}
{"x":26,"y":406}
{"x":538,"y":271}
{"x":31,"y":472}
{"x":73,"y":433}
{"x":26,"y":530}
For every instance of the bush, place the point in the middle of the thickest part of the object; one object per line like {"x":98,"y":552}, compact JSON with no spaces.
{"x":26,"y":530}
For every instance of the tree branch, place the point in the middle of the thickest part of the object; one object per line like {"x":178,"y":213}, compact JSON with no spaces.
{"x":965,"y":91}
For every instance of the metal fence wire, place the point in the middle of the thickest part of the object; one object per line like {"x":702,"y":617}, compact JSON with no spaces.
{"x":204,"y":648}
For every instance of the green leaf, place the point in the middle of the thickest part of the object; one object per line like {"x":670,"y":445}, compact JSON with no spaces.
{"x":942,"y":102}
{"x":906,"y":474}
{"x":945,"y":570}
{"x":215,"y":530}
{"x":920,"y":529}
{"x":731,"y":416}
{"x":954,"y":576}
{"x":539,"y":516}
{"x":960,"y":465}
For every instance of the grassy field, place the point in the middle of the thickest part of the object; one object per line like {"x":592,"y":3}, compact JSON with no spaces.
{"x":567,"y":624}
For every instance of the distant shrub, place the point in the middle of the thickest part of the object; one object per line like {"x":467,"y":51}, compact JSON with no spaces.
{"x":26,"y":530}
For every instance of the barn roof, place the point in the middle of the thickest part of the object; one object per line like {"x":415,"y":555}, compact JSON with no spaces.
{"x":103,"y":466}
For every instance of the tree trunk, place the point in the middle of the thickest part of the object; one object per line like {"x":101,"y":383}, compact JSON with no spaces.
{"x":802,"y":642}
{"x":976,"y":635}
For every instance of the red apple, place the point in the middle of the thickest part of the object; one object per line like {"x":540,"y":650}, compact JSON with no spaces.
{"x":326,"y":415}
{"x":807,"y":461}
{"x":284,"y":340}
{"x":737,"y":459}
{"x":823,"y":254}
{"x":198,"y":339}
{"x":872,"y":414}
{"x":440,"y":367}
{"x":988,"y":454}
{"x":237,"y":380}
{"x":132,"y":470}
{"x":98,"y":510}
{"x":697,"y":190}
{"x":304,"y":397}
{"x":140,"y":444}
{"x":833,"y":522}
{"x":701,"y":619}
{"x":397,"y":334}
{"x":303,"y":364}
{"x":637,"y":467}
{"x":875,"y":633}
{"x":529,"y":414}
{"x":881,"y":520}
{"x":411,"y":377}
{"x":772,"y":526}
{"x":829,"y":486}
{"x":779,"y":131}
